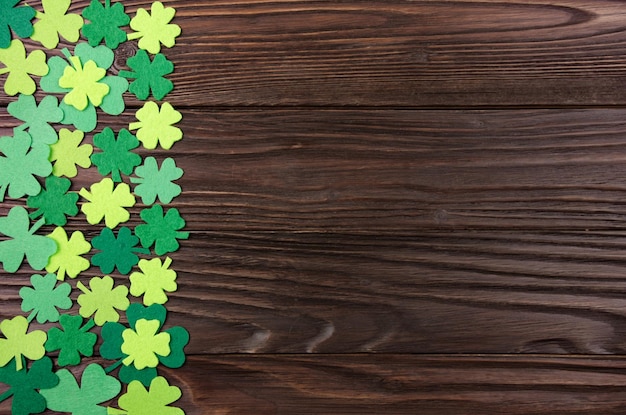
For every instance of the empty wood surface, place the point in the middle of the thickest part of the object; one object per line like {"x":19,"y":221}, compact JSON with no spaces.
{"x":395,"y":207}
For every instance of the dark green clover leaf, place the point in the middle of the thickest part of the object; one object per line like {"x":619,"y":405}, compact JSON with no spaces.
{"x":148,"y":75}
{"x":23,"y":386}
{"x":44,"y":298}
{"x":54,"y":202}
{"x":72,"y":341}
{"x":37,"y":118}
{"x":16,"y":18}
{"x":105,"y":23}
{"x":161,"y":230}
{"x":116,"y":156}
{"x":120,"y":252}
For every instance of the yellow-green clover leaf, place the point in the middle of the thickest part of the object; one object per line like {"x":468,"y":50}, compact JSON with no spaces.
{"x":154,"y":29}
{"x":19,"y":67}
{"x":143,"y":344}
{"x":83,"y":80}
{"x":54,"y":22}
{"x":157,"y":126}
{"x":153,"y":281}
{"x":18,"y":343}
{"x":102,"y":299}
{"x":67,"y":153}
{"x":68,"y":259}
{"x":139,"y":401}
{"x":107,"y":202}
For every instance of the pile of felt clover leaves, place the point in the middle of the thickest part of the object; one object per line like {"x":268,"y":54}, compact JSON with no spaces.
{"x":36,"y":165}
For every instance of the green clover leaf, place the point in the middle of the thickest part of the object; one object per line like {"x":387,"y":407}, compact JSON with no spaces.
{"x":67,"y":153}
{"x":73,"y":341}
{"x":161,"y":230}
{"x":105,"y":201}
{"x":142,"y":345}
{"x":19,"y":67}
{"x":157,"y":126}
{"x":149,"y":75}
{"x":116,"y":156}
{"x":54,"y":22}
{"x":153,"y":281}
{"x":84,"y":83}
{"x":156,"y":183}
{"x":102,"y":299}
{"x":16,"y":18}
{"x":120,"y":252}
{"x":18,"y":343}
{"x":68,"y":259}
{"x":37,"y":118}
{"x":139,"y":401}
{"x":105,"y":23}
{"x":154,"y":29}
{"x":54,"y":202}
{"x":24,"y":384}
{"x":44,"y":298}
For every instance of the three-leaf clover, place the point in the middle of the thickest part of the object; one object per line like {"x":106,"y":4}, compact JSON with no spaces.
{"x":96,"y":387}
{"x":24,"y":384}
{"x":18,"y":343}
{"x":68,"y":259}
{"x":143,"y":344}
{"x":120,"y":252}
{"x":161,"y":230}
{"x":54,"y":21}
{"x":116,"y":156}
{"x":20,"y":164}
{"x":102,"y":299}
{"x":157,"y":126}
{"x":16,"y":18}
{"x":67,"y":153}
{"x":153,"y":281}
{"x":37,"y":118}
{"x":105,"y":201}
{"x":19,"y":67}
{"x":139,"y":401}
{"x":44,"y":298}
{"x":155,"y":182}
{"x":54,"y":202}
{"x":154,"y":29}
{"x":23,"y":242}
{"x":148,"y":75}
{"x":73,"y":341}
{"x":105,"y":23}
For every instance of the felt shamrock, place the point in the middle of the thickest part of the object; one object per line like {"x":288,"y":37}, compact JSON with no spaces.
{"x":156,"y":400}
{"x":113,"y":336}
{"x":156,"y":183}
{"x":18,"y":343}
{"x":116,"y":156}
{"x":16,"y":18}
{"x":120,"y":252}
{"x":54,"y":21}
{"x":108,"y":203}
{"x":142,"y":344}
{"x":20,"y":164}
{"x":106,"y":22}
{"x":23,"y":242}
{"x":102,"y":299}
{"x":45,"y":298}
{"x":149,"y":75}
{"x":157,"y":126}
{"x":67,"y":153}
{"x":84,"y":83}
{"x":24,"y":385}
{"x":153,"y":281}
{"x":37,"y":118}
{"x":19,"y":67}
{"x":73,"y":341}
{"x":54,"y":202}
{"x":68,"y":260}
{"x":161,"y":230}
{"x":154,"y":29}
{"x":96,"y":387}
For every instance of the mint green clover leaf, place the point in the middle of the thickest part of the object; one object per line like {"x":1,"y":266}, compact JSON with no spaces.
{"x":85,"y":120}
{"x":154,"y":280}
{"x":24,"y":384}
{"x":20,"y":164}
{"x":148,"y":75}
{"x":54,"y":202}
{"x":54,"y":22}
{"x":156,"y":183}
{"x":37,"y":118}
{"x":96,"y":387}
{"x":102,"y":299}
{"x":105,"y":23}
{"x":50,"y":81}
{"x":44,"y":298}
{"x":23,"y":242}
{"x":154,"y":29}
{"x":156,"y":126}
{"x":73,"y":341}
{"x":18,"y":343}
{"x":161,"y":230}
{"x":116,"y":156}
{"x":19,"y":67}
{"x":156,"y":400}
{"x":117,"y":252}
{"x":16,"y":18}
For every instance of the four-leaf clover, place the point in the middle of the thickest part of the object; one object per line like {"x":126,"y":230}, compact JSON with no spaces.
{"x":68,"y":260}
{"x":105,"y":23}
{"x":153,"y":281}
{"x":45,"y":298}
{"x":54,"y":202}
{"x":73,"y":341}
{"x":120,"y":252}
{"x":154,"y":29}
{"x":108,"y":203}
{"x":161,"y":230}
{"x":157,"y":183}
{"x":116,"y":156}
{"x":157,"y":126}
{"x":102,"y":299}
{"x":67,"y":153}
{"x":149,"y":75}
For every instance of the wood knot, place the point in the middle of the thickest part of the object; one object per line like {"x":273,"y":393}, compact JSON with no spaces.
{"x":122,"y":53}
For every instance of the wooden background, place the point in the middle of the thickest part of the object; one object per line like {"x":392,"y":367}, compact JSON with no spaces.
{"x":399,"y":207}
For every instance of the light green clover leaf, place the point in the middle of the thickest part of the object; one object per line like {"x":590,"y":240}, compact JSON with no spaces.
{"x":153,"y":281}
{"x":67,"y":153}
{"x":154,"y":29}
{"x":139,"y":401}
{"x":102,"y":299}
{"x":19,"y":67}
{"x":54,"y":21}
{"x":105,"y":201}
{"x":157,"y":126}
{"x":18,"y":343}
{"x":68,"y":260}
{"x":142,"y":344}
